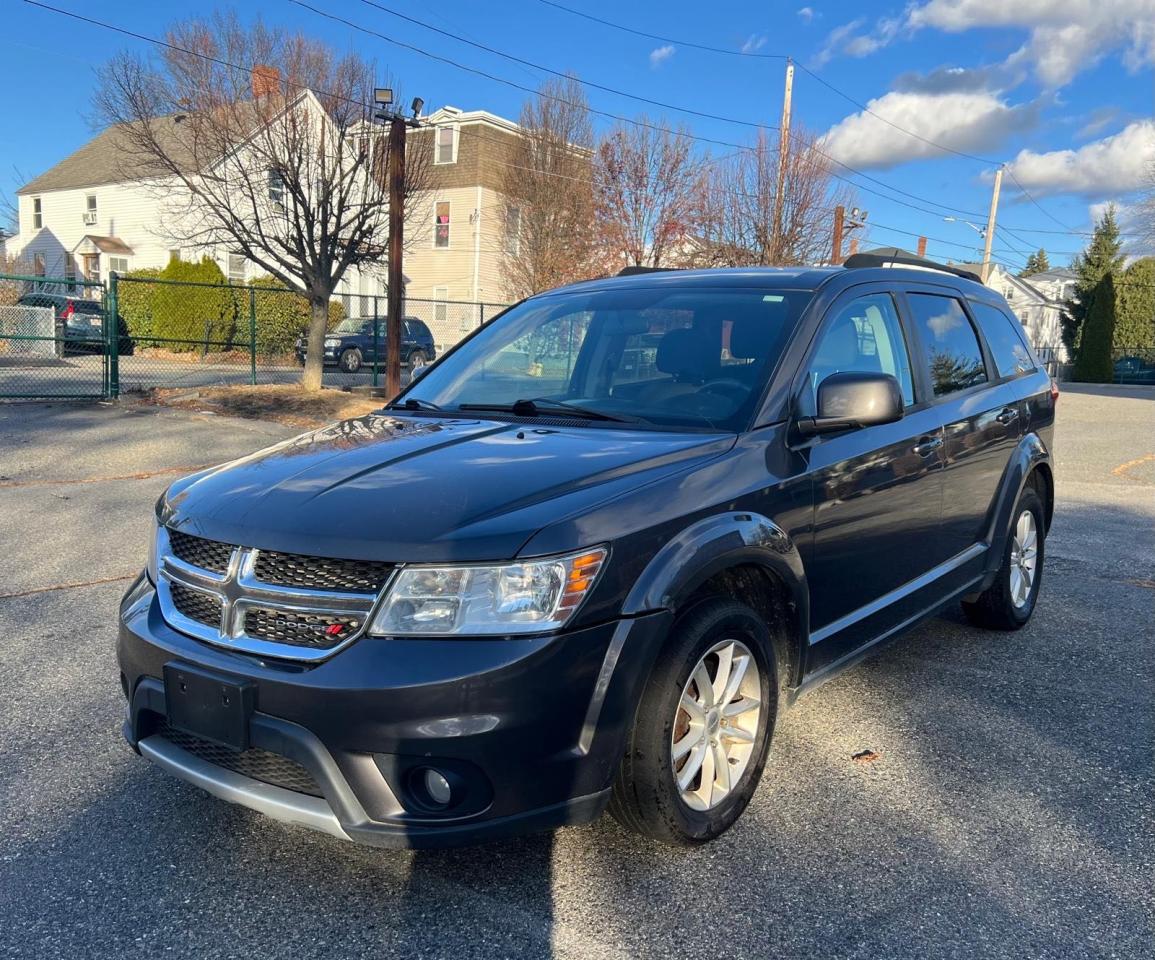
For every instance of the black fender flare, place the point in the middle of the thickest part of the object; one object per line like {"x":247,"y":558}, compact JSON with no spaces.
{"x":717,"y":543}
{"x":1028,"y":456}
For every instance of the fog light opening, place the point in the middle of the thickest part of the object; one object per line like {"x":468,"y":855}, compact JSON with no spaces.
{"x":437,"y":787}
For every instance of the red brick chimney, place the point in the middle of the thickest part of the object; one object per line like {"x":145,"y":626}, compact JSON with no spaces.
{"x":922,"y":246}
{"x":266,"y":81}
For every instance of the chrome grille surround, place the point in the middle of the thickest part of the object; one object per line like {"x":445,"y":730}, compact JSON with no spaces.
{"x":240,"y":593}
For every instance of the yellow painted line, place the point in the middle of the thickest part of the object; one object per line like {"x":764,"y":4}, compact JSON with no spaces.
{"x":1122,"y":469}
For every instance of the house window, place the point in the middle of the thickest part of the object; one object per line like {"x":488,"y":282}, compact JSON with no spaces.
{"x":37,"y":213}
{"x":38,"y":267}
{"x":90,"y":209}
{"x":118,"y":264}
{"x":92,"y":267}
{"x":276,"y":188}
{"x":70,"y":271}
{"x":236,"y":268}
{"x":512,"y":230}
{"x":445,"y":146}
{"x":441,"y":224}
{"x":174,"y":254}
{"x":440,"y":307}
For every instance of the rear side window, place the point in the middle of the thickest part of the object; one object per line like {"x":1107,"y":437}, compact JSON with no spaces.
{"x":953,"y":355}
{"x":1005,"y":338}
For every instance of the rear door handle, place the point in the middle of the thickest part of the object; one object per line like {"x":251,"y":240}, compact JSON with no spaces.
{"x":927,"y":446}
{"x":1008,"y":415}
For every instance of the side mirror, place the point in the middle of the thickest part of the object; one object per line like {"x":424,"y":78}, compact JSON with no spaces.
{"x":850,"y":400}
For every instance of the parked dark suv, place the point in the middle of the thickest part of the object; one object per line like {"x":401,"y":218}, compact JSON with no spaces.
{"x":588,"y":556}
{"x":352,"y":344}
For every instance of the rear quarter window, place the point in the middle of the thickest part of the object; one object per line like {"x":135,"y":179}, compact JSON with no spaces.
{"x":1006,"y":338}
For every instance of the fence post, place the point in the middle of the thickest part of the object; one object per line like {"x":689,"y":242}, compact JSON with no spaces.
{"x":113,"y":321}
{"x":482,"y":305}
{"x":376,"y":345}
{"x":252,"y":337}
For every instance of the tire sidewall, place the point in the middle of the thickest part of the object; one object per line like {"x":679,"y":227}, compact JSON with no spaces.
{"x":698,"y":631}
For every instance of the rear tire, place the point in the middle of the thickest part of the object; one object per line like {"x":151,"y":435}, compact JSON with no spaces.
{"x":1009,"y":602}
{"x":647,"y":796}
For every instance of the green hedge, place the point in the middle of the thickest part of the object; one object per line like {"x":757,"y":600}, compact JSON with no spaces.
{"x":134,"y":302}
{"x":282,"y":316}
{"x":194,"y":314}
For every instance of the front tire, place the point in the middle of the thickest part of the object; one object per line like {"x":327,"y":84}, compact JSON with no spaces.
{"x":702,"y":731}
{"x":350,"y":360}
{"x":1009,"y":602}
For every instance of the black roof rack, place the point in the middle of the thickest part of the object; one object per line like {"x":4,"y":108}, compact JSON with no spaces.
{"x":633,"y":271}
{"x":896,"y":256}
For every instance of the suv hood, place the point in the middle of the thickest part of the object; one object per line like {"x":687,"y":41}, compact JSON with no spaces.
{"x":424,"y":489}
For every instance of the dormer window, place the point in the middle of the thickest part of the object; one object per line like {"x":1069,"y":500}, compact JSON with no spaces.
{"x":445,"y":145}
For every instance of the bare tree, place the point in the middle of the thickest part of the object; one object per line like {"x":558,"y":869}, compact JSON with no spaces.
{"x":738,"y":227}
{"x":262,"y":143}
{"x":546,"y":176}
{"x":648,"y":193}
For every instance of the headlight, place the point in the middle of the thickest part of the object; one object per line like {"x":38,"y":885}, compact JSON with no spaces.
{"x":533,"y":596}
{"x":330,"y":342}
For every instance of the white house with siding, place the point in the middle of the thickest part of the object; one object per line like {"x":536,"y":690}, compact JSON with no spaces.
{"x":84,"y":218}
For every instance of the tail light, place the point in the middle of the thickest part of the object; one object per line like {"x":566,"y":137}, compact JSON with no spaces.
{"x":66,"y":313}
{"x":1054,"y":391}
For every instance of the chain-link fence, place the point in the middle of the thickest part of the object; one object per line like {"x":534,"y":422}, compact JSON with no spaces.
{"x":54,"y":337}
{"x":201,"y":334}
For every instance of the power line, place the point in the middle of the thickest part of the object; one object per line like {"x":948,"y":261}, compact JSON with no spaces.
{"x":842,"y":93}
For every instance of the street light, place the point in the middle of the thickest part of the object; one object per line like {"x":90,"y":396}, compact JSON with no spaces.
{"x":981,"y":231}
{"x":418,"y":103}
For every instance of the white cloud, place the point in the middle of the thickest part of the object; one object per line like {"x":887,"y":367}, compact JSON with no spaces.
{"x":1115,"y":165}
{"x":969,"y":121}
{"x":661,"y":55}
{"x":754,"y":43}
{"x":806,"y":14}
{"x":1064,"y":37}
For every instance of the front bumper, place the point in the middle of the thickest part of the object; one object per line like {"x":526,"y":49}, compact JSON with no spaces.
{"x":531,"y":729}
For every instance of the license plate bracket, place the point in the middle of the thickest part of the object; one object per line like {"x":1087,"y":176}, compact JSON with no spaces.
{"x":208,"y":704}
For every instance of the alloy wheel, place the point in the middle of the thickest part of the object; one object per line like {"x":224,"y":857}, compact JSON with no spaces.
{"x":716,"y":724}
{"x":1024,"y":557}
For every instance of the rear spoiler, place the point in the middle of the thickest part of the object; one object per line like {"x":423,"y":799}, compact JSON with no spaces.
{"x":861,"y":260}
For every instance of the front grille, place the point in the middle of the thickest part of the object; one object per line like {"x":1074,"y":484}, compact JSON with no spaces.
{"x":255,"y":763}
{"x":317,"y":630}
{"x":320,"y":573}
{"x":206,"y":554}
{"x":202,"y":607}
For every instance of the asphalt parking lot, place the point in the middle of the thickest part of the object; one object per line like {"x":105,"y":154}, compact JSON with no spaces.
{"x":1009,"y":812}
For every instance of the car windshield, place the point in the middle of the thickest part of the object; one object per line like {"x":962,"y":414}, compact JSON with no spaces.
{"x":659,"y":356}
{"x":350,"y":325}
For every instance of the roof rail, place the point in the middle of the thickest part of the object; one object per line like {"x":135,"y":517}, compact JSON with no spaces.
{"x":895,"y":257}
{"x":633,"y":271}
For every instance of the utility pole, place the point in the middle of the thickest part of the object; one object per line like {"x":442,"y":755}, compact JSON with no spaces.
{"x":836,"y":246}
{"x":394,"y":299}
{"x":394,"y":305}
{"x":783,"y":158}
{"x":990,"y":232}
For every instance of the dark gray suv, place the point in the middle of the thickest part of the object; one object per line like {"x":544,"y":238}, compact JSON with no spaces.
{"x":589,"y":555}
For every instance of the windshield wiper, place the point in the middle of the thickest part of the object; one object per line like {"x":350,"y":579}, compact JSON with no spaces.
{"x":414,"y":403}
{"x":530,"y":408}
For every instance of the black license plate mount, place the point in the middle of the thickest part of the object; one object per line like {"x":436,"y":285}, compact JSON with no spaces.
{"x":208,"y":704}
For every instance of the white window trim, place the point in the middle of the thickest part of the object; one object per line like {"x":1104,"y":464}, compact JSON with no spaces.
{"x":449,"y":245}
{"x":37,"y":213}
{"x":456,"y":128}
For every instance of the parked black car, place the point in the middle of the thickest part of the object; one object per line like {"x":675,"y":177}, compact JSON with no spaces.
{"x":351,"y":345}
{"x":545,"y":580}
{"x":1134,"y":369}
{"x":79,"y":323}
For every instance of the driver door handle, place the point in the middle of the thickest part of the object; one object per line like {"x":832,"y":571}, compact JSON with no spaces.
{"x":1008,"y":415}
{"x":926,"y":446}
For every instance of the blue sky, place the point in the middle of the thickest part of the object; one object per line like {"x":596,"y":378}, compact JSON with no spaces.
{"x":1060,"y":89}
